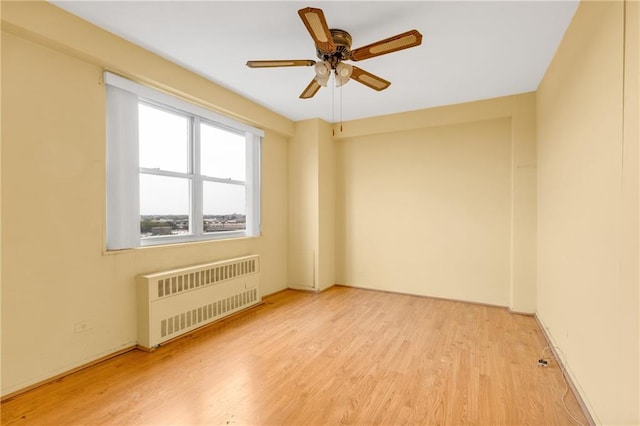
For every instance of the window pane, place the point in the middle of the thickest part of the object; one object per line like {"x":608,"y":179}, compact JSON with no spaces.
{"x":224,"y":207}
{"x":222,"y":153}
{"x":164,"y":205}
{"x":164,"y":139}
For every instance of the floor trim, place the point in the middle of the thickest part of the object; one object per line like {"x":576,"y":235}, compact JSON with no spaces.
{"x":567,"y":376}
{"x":529,"y":314}
{"x":448,"y":299}
{"x":14,"y":394}
{"x":311,"y":289}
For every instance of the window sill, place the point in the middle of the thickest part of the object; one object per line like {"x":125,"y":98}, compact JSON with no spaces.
{"x":171,"y":245}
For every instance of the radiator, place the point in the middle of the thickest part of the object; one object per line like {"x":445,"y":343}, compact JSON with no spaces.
{"x":172,"y":303}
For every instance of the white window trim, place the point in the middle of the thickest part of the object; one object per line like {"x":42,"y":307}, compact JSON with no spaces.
{"x":123,"y":169}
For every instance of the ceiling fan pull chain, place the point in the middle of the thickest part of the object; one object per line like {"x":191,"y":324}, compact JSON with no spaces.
{"x":340,"y":109}
{"x":333,"y":110}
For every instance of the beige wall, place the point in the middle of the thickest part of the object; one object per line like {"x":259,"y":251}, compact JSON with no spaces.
{"x":55,"y":271}
{"x":311,"y":206}
{"x":428,"y":208}
{"x":326,"y":274}
{"x":427,"y":211}
{"x":523,"y":205}
{"x":588,"y":208}
{"x":303,"y":205}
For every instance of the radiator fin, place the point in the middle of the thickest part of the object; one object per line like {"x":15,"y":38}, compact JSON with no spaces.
{"x":173,"y":285}
{"x":175,"y":324}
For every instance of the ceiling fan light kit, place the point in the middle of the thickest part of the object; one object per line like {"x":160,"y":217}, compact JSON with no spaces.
{"x":323,"y":72}
{"x":343,"y":73}
{"x":333,"y":46}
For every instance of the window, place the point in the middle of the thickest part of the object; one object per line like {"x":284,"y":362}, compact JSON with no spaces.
{"x":176,"y":172}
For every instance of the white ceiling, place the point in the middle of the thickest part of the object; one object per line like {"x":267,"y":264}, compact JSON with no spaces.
{"x":470,"y":50}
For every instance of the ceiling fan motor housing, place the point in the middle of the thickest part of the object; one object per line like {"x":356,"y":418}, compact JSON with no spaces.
{"x":342,"y":40}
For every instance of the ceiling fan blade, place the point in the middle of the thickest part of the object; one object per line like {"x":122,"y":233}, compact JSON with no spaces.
{"x":283,"y":63}
{"x":311,"y":90}
{"x":368,"y":79}
{"x":317,"y":26}
{"x":392,"y":44}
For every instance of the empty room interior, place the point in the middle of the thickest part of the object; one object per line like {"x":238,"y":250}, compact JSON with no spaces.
{"x":446,"y":249}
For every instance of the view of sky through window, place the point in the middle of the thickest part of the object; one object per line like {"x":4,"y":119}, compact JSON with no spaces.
{"x":164,"y":145}
{"x":222,"y":153}
{"x":162,"y":195}
{"x":163,"y":140}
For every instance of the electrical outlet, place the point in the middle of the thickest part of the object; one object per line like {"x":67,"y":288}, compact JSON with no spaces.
{"x":83,"y":326}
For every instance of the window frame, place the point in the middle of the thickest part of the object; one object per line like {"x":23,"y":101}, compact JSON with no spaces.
{"x":197,"y":116}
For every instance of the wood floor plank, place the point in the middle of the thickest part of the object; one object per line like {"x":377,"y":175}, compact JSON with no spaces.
{"x":345,"y":356}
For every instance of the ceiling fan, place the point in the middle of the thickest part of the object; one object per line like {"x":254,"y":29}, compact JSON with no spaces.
{"x":333,"y":46}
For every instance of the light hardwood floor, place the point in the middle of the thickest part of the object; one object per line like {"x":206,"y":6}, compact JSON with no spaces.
{"x":345,"y":356}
